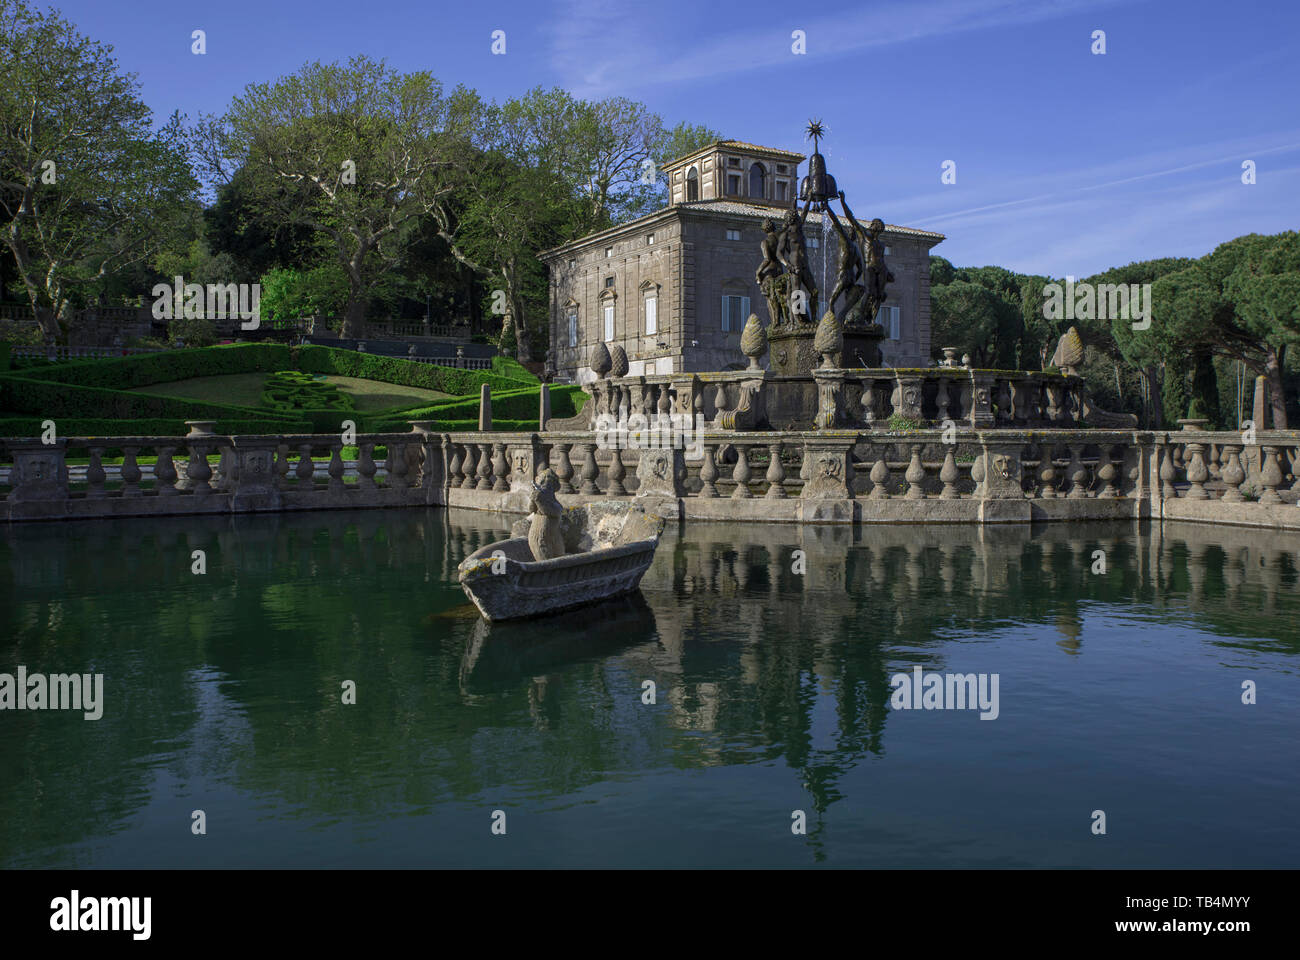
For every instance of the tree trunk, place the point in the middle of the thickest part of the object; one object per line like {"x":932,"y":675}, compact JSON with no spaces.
{"x":354,"y":316}
{"x":1154,"y":402}
{"x":51,"y":329}
{"x":523,"y":337}
{"x":1273,"y":371}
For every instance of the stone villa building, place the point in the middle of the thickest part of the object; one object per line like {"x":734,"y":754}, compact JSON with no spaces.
{"x":676,"y":286}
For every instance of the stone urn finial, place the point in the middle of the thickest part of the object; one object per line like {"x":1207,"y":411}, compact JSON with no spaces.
{"x":600,"y":360}
{"x":753,"y":341}
{"x":1069,"y":352}
{"x":829,"y":339}
{"x":618,"y":365}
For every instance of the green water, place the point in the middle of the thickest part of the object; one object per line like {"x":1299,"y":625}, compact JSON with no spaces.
{"x":1119,"y":691}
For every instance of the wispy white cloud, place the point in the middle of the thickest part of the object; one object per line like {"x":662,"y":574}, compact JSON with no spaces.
{"x":1095,"y":179}
{"x":600,"y":47}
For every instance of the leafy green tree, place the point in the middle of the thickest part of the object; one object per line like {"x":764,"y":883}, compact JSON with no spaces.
{"x":288,"y":294}
{"x":356,"y":152}
{"x":1239,"y":302}
{"x":975,"y":319}
{"x":87,"y":185}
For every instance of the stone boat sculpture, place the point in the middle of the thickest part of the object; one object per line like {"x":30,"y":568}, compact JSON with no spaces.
{"x":559,"y":559}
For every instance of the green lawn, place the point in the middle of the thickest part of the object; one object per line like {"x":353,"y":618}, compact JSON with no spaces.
{"x":245,"y":390}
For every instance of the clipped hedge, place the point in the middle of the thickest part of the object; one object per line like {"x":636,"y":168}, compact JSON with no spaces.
{"x":145,"y":369}
{"x":312,"y":358}
{"x":45,"y":399}
{"x":289,"y":391}
{"x":512,"y":368}
{"x":30,"y":427}
{"x":514,"y":404}
{"x":454,"y":426}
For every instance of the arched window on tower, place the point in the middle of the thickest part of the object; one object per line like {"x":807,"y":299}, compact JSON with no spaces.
{"x":757,"y":178}
{"x":692,"y":185}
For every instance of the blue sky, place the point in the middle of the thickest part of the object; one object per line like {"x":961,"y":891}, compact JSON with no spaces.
{"x":1067,"y":162}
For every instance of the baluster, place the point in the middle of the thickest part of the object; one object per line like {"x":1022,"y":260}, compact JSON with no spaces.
{"x":880,"y":477}
{"x":1212,"y":462}
{"x":484,"y":467}
{"x":941,"y":400}
{"x":775,"y":473}
{"x":741,"y":473}
{"x":95,"y":475}
{"x":130,"y":473}
{"x":564,"y":469}
{"x":869,"y":401}
{"x":164,"y":472}
{"x":499,"y":484}
{"x":455,"y":477}
{"x":1167,"y":474}
{"x":1197,"y":474}
{"x":306,"y":469}
{"x":366,"y":465}
{"x":1077,"y":473}
{"x":616,"y":473}
{"x":708,"y":474}
{"x":719,"y":402}
{"x":1232,"y":474}
{"x":915,"y":475}
{"x":949,"y":475}
{"x":1270,"y":475}
{"x":1106,"y":472}
{"x":198,"y":471}
{"x":336,"y":468}
{"x":469,"y":469}
{"x":1047,"y":471}
{"x":590,"y":470}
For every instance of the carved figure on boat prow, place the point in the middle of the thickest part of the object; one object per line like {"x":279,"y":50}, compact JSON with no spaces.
{"x":545,"y":537}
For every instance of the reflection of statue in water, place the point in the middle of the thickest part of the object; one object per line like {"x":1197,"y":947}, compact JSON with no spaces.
{"x":768,"y":275}
{"x":794,"y":255}
{"x":545,"y":538}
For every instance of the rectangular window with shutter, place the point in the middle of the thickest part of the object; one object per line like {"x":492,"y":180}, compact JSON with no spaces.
{"x":609,"y":323}
{"x":734,"y":312}
{"x":573,"y":328}
{"x":651,"y":315}
{"x":889,"y":318}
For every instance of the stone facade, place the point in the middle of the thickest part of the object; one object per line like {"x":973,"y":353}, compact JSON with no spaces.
{"x":696,"y":258}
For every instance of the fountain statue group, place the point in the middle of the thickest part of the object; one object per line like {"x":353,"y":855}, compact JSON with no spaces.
{"x":791,"y":291}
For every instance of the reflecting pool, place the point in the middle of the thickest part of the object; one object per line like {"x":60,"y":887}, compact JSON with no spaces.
{"x":750,"y":680}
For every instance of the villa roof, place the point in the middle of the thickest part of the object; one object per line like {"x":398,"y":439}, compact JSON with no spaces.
{"x":733,"y":208}
{"x":738,"y":145}
{"x":740,"y":208}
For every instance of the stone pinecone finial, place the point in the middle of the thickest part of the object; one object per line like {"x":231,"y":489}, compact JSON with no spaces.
{"x":828,"y":340}
{"x":1069,"y":352}
{"x":753,"y":341}
{"x":618,"y":361}
{"x":600,"y":360}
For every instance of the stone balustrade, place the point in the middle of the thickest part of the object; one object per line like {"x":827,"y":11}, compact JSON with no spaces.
{"x":859,"y":399}
{"x":211,"y":473}
{"x":834,"y":476}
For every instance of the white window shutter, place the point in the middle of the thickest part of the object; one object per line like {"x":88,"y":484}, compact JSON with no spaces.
{"x":652,"y":315}
{"x":744,"y":311}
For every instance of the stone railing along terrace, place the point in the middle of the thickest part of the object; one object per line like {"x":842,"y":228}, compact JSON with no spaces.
{"x":836,"y":476}
{"x":864,"y":399}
